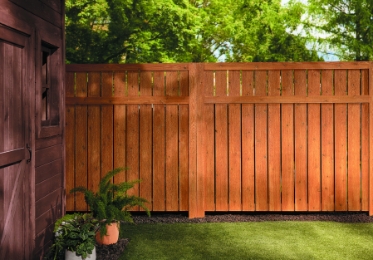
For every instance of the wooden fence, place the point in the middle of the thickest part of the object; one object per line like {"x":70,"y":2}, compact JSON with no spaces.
{"x":226,"y":136}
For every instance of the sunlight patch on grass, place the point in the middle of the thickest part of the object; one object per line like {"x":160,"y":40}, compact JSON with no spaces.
{"x":251,"y":240}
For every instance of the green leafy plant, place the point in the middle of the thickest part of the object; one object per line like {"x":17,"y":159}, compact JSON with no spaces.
{"x":112,"y":202}
{"x":73,"y":232}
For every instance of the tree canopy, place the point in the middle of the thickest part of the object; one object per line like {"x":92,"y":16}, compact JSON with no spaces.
{"x":146,"y":31}
{"x":343,"y":26}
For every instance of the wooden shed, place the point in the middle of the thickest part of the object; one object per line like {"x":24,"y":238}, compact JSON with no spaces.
{"x":31,"y":125}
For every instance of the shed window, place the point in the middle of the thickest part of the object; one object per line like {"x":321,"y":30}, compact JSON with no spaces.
{"x":49,"y":89}
{"x":45,"y":115}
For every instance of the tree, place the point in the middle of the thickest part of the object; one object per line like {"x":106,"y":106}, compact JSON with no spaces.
{"x":142,"y":31}
{"x":117,"y":31}
{"x":269,"y":33}
{"x":345,"y":26}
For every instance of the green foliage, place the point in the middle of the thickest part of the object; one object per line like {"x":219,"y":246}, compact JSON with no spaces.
{"x":286,"y":240}
{"x":344,"y":26}
{"x":112,"y":202}
{"x":147,"y":31}
{"x":268,"y":32}
{"x":73,"y":232}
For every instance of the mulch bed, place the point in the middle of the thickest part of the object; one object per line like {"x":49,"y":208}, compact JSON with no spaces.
{"x":113,"y":252}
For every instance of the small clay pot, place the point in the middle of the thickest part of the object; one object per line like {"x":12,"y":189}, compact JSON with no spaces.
{"x":112,"y":234}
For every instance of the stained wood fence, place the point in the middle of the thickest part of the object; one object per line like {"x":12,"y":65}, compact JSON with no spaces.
{"x":226,"y":136}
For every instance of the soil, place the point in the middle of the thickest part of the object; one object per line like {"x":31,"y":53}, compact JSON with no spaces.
{"x":113,"y":252}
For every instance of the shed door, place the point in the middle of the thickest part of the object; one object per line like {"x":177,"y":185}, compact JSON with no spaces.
{"x":14,"y":166}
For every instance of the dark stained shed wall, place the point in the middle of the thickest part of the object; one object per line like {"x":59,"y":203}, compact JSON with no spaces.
{"x":42,"y":21}
{"x":49,"y":189}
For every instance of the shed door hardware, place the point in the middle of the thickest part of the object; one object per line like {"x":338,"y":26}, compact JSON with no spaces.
{"x":30,"y":152}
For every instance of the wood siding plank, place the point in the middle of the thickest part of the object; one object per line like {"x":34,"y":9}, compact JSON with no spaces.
{"x":107,"y":121}
{"x":248,"y":169}
{"x":196,"y":171}
{"x":146,"y":154}
{"x":172,"y":147}
{"x":340,"y":114}
{"x":287,"y":140}
{"x":314,"y":160}
{"x":274,"y":142}
{"x":159,"y":146}
{"x":81,"y":167}
{"x":365,"y":143}
{"x":354,"y":145}
{"x":70,"y":142}
{"x":183,"y":144}
{"x":221,"y":144}
{"x":209,"y":143}
{"x":94,"y":133}
{"x":234,"y":143}
{"x":119,"y":128}
{"x":133,"y":134}
{"x":327,"y":144}
{"x":261,"y":144}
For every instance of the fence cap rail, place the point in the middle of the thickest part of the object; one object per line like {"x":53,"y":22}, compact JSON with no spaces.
{"x":287,"y":65}
{"x":220,"y":66}
{"x":126,"y":67}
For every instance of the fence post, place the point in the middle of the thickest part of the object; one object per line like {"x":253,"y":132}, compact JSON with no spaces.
{"x":196,"y":173}
{"x":370,"y":139}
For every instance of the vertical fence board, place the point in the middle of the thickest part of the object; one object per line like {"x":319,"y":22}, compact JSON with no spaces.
{"x":159,"y":148}
{"x":172,"y":160}
{"x":274,"y":142}
{"x":208,"y":143}
{"x":146,"y":130}
{"x":370,"y":89}
{"x":261,"y":164}
{"x":183,"y":154}
{"x":201,"y":178}
{"x":94,"y":135}
{"x":133,"y":133}
{"x":70,"y":142}
{"x":107,"y":125}
{"x":248,"y":181}
{"x":354,"y":128}
{"x":365,"y":143}
{"x":287,"y":139}
{"x":327,"y":144}
{"x":183,"y":143}
{"x":221,"y":144}
{"x":119,"y":135}
{"x":81,"y":142}
{"x":234,"y":140}
{"x":300,"y":125}
{"x":314,"y":166}
{"x":340,"y":114}
{"x":196,"y":170}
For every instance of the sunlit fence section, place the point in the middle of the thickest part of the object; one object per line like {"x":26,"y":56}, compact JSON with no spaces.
{"x":224,"y":137}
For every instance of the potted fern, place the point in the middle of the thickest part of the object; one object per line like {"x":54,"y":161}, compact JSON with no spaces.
{"x":74,"y":237}
{"x":111,"y":204}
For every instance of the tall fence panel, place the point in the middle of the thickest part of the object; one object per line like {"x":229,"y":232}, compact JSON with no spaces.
{"x":135,"y":117}
{"x":224,"y":137}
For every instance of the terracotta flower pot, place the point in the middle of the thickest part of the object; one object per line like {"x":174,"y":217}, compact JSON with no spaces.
{"x":112,"y":235}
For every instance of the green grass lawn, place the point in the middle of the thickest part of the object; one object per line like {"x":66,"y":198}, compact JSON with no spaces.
{"x":251,"y":240}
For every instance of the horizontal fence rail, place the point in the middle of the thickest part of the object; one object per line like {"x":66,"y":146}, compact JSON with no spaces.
{"x":224,"y":137}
